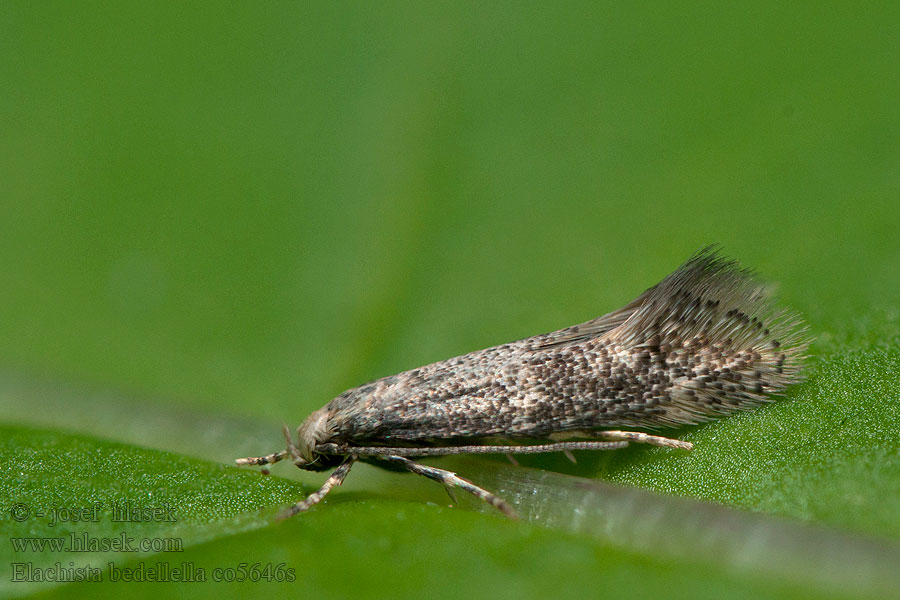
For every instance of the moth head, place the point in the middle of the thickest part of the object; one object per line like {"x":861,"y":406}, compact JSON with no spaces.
{"x":311,"y":432}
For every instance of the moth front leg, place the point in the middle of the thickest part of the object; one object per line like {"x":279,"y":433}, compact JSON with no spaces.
{"x":334,"y":480}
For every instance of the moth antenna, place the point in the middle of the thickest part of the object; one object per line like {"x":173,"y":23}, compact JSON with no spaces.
{"x":291,"y":448}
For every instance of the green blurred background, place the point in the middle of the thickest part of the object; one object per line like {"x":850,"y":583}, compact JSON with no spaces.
{"x":243,"y":209}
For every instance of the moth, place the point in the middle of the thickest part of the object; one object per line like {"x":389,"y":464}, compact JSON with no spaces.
{"x":704,"y":342}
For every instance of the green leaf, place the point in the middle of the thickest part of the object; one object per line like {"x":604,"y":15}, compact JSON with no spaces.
{"x":212,"y":222}
{"x":205,"y":519}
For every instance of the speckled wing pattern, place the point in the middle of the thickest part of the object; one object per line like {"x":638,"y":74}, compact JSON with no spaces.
{"x":704,"y":342}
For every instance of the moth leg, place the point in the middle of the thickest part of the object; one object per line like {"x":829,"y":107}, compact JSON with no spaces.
{"x":452,"y":494}
{"x":334,"y":480}
{"x":449,"y":478}
{"x":268,"y":459}
{"x":644,"y":438}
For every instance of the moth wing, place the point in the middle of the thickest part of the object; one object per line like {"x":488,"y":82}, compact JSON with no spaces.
{"x":594,"y":327}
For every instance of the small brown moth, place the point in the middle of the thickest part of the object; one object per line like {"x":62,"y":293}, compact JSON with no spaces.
{"x":704,"y":342}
